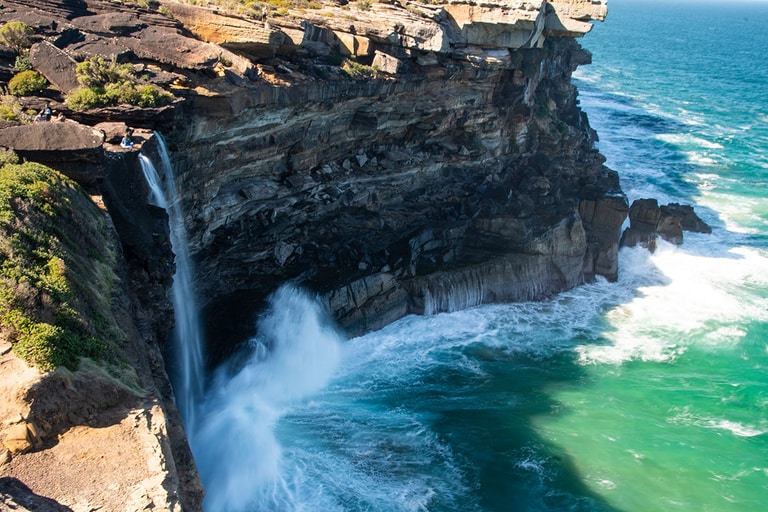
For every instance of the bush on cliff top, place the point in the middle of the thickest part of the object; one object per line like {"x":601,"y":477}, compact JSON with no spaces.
{"x":26,"y":83}
{"x":15,"y":35}
{"x":56,"y":270}
{"x":107,"y":84}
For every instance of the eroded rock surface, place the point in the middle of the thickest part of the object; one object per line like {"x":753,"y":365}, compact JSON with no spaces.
{"x":649,"y":222}
{"x":463,"y":173}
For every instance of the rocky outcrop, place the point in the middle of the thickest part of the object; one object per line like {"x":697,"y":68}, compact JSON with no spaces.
{"x":448,"y":154}
{"x":411,"y":26}
{"x":649,"y":222}
{"x":465,"y":175}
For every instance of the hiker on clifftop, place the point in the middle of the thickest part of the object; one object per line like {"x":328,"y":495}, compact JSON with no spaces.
{"x":127,"y":143}
{"x":45,"y":113}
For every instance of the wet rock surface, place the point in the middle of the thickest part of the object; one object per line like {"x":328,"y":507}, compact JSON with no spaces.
{"x":649,"y":222}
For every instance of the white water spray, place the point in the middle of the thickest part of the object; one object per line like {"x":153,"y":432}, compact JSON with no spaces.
{"x":188,"y":342}
{"x":294,"y":354}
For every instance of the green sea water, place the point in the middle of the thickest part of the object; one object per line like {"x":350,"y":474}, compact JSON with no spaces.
{"x":649,"y":394}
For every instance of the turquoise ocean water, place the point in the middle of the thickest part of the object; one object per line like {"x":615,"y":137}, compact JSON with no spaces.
{"x":649,"y":394}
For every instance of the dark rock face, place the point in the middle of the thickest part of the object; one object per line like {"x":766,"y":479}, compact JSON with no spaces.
{"x":446,"y":187}
{"x":57,"y":66}
{"x":463,"y":173}
{"x":649,"y":221}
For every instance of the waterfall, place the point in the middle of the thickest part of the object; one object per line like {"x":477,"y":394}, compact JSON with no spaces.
{"x":188,"y":379}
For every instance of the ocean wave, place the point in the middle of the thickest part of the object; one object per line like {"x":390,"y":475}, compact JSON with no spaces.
{"x":686,"y":139}
{"x":701,"y":159}
{"x":692,"y":296}
{"x":683,"y":416}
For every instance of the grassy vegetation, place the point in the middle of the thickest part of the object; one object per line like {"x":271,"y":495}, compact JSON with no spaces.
{"x":359,"y":71}
{"x":107,"y":83}
{"x":56,"y":269}
{"x":12,"y":110}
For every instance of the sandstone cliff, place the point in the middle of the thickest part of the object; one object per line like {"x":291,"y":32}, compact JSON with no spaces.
{"x":444,"y":164}
{"x":397,"y":158}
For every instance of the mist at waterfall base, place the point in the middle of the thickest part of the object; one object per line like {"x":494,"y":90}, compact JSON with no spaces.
{"x":646,"y":394}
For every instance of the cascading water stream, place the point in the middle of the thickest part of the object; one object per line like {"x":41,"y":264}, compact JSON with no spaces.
{"x":189,"y":378}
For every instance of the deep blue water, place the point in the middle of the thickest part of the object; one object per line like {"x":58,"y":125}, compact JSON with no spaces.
{"x":650,"y":394}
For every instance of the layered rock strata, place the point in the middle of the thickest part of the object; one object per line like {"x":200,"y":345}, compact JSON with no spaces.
{"x":396,"y":158}
{"x":458,"y":170}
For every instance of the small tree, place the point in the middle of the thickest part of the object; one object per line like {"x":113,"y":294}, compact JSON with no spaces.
{"x":15,"y":35}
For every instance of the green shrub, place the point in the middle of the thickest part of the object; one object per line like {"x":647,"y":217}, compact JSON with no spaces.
{"x":84,"y":98}
{"x":359,"y":71}
{"x":56,"y":270}
{"x":98,"y":72}
{"x":15,"y":35}
{"x":7,"y":156}
{"x":12,"y":110}
{"x":7,"y":114}
{"x":125,"y":93}
{"x":120,"y":93}
{"x":152,"y":96}
{"x":108,"y":84}
{"x":26,"y":83}
{"x":22,"y":63}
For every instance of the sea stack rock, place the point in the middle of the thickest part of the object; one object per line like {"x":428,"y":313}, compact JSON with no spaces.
{"x":649,"y":221}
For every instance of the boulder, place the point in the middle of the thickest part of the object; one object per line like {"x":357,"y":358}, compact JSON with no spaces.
{"x":649,"y":221}
{"x":112,"y":24}
{"x":60,"y":139}
{"x":17,"y":439}
{"x":689,"y":221}
{"x":55,"y":65}
{"x":603,"y":218}
{"x":387,"y":63}
{"x":669,"y":227}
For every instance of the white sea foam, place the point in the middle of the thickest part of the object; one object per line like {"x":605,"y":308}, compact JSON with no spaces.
{"x":702,"y":159}
{"x":684,"y":416}
{"x":691,"y":291}
{"x":739,"y":214}
{"x":686,"y":139}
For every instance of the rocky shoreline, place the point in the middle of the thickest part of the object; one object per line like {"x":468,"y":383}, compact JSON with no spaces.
{"x":394,"y":158}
